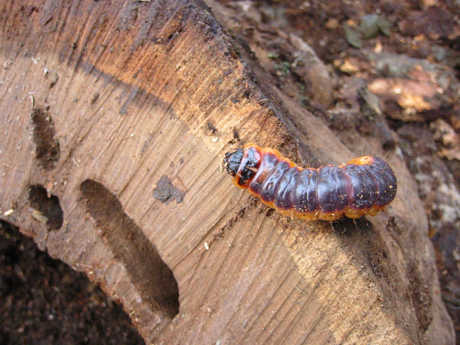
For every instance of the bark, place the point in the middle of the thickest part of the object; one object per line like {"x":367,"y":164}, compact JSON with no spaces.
{"x":116,"y":116}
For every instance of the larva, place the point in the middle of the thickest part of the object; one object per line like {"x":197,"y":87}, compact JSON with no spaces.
{"x":364,"y":185}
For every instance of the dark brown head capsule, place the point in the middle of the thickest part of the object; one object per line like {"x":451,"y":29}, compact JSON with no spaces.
{"x":232,"y":161}
{"x":242,"y":164}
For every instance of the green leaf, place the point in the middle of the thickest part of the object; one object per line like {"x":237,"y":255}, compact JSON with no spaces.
{"x":353,"y":36}
{"x":369,"y":26}
{"x":384,"y":26}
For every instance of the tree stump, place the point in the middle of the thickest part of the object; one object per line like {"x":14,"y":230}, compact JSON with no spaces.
{"x":116,"y":116}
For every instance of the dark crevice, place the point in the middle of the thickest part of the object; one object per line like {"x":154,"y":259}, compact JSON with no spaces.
{"x":420,"y":297}
{"x":47,"y":150}
{"x":149,"y":273}
{"x":47,"y":207}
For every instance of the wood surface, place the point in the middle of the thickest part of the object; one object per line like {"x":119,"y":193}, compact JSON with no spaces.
{"x":115,"y":119}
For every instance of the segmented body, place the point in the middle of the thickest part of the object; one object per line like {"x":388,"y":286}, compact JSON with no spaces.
{"x":364,"y":185}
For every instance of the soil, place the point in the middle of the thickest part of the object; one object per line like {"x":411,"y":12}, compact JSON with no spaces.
{"x":44,"y":301}
{"x":358,"y":46}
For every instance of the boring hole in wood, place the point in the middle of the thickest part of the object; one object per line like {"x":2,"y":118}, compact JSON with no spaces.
{"x":47,"y":149}
{"x":149,"y":273}
{"x":46,"y":207}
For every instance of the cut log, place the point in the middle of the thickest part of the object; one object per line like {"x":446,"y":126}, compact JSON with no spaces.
{"x":116,"y":116}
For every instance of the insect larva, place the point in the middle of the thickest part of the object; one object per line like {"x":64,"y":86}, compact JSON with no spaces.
{"x":364,"y":185}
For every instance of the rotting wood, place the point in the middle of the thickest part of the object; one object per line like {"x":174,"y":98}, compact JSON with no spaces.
{"x":102,"y":100}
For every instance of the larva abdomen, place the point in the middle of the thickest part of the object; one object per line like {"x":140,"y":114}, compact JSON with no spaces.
{"x":364,"y":185}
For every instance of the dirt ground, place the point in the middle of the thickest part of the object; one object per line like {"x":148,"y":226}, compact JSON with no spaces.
{"x":43,"y":301}
{"x":386,"y":68}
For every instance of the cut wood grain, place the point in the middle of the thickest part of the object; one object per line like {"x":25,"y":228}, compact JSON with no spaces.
{"x":116,"y":116}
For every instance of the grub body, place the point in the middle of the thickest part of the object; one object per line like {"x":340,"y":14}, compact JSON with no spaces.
{"x":364,"y":185}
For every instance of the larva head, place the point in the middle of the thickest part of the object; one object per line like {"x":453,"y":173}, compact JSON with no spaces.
{"x":232,"y":161}
{"x":242,"y":164}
